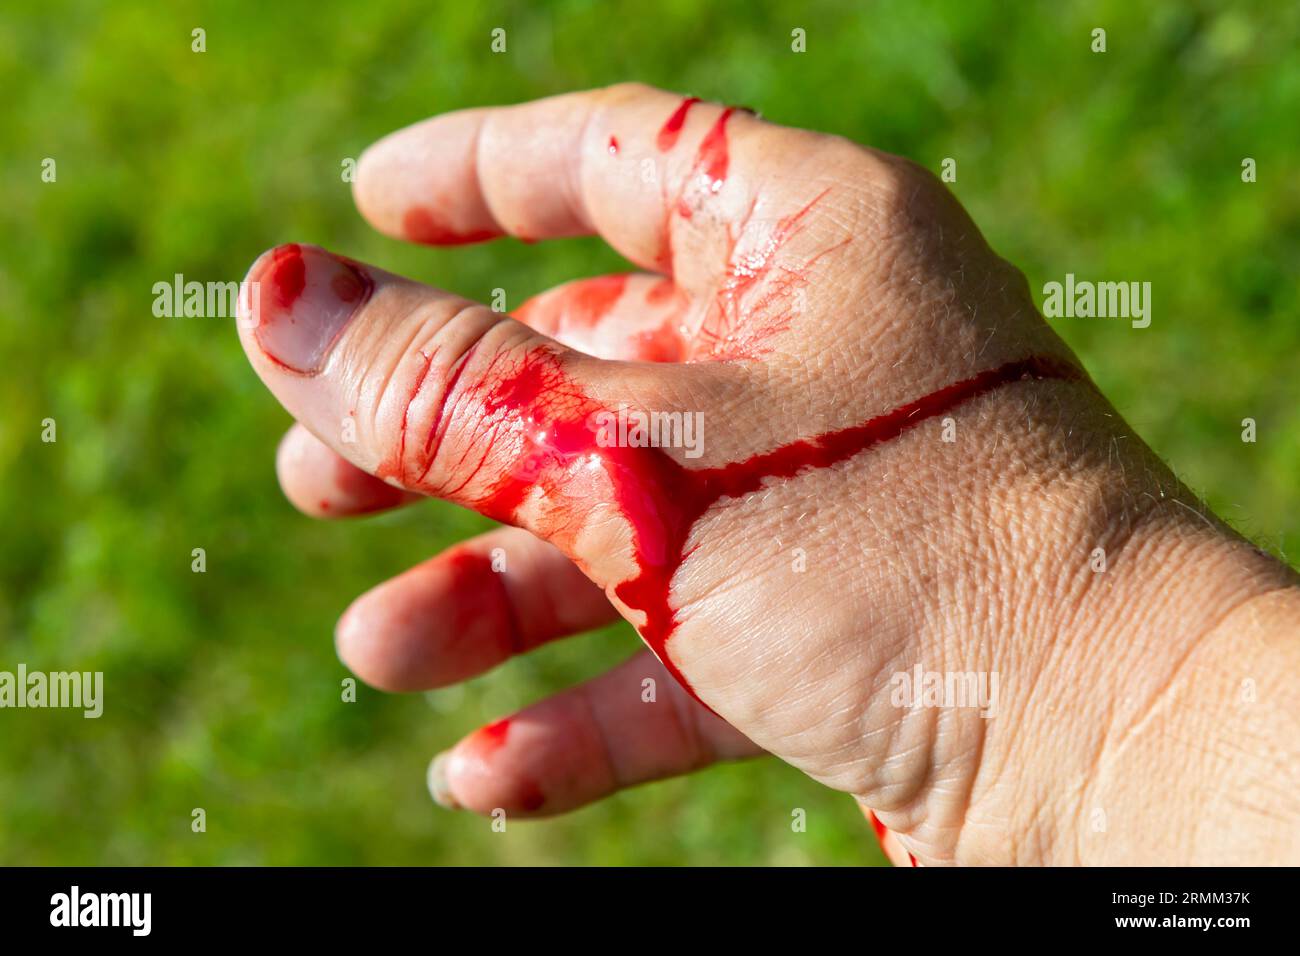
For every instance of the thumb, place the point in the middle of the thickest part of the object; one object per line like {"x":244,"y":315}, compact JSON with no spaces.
{"x":445,"y":397}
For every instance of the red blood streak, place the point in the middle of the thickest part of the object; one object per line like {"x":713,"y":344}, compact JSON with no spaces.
{"x":585,"y":303}
{"x":613,"y":146}
{"x":553,"y":423}
{"x":709,"y":169}
{"x":486,"y":741}
{"x":663,"y":344}
{"x":422,"y":225}
{"x":758,"y":296}
{"x":882,"y":831}
{"x":394,"y":466}
{"x":548,"y":425}
{"x":880,"y":828}
{"x":713,"y":157}
{"x":667,"y":341}
{"x":579,"y":305}
{"x":672,"y":129}
{"x":491,"y":738}
{"x":661,"y":292}
{"x":287,"y":275}
{"x":438,"y":428}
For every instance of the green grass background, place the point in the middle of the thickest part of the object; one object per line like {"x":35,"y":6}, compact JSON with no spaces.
{"x":222,"y":689}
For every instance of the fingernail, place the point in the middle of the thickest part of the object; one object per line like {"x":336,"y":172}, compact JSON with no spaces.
{"x":438,"y":787}
{"x":300,"y":299}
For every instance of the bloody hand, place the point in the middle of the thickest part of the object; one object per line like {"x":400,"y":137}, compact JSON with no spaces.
{"x":903,"y":471}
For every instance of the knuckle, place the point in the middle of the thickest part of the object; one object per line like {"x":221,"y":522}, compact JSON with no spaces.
{"x":626,"y":90}
{"x":904,"y":187}
{"x":421,"y":398}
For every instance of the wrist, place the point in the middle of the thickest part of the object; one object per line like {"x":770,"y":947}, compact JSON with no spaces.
{"x":1120,"y":595}
{"x":1199,"y":765}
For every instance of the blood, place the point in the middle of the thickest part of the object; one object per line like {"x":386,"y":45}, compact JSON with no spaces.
{"x":753,"y":275}
{"x":661,"y":344}
{"x":552,"y":429}
{"x":535,"y":430}
{"x":613,"y":146}
{"x":395,"y":466}
{"x":492,"y":737}
{"x":539,"y":438}
{"x":286,"y":277}
{"x":662,"y":291}
{"x":579,"y":305}
{"x":755,"y":282}
{"x":438,"y":427}
{"x":709,"y":168}
{"x":714,"y":157}
{"x":348,"y":286}
{"x":586,"y":303}
{"x":356,"y":486}
{"x":482,"y":603}
{"x":880,"y":828}
{"x":287,"y":274}
{"x":530,"y":797}
{"x":756,"y":298}
{"x":424,"y":226}
{"x":882,"y":831}
{"x":758,"y":295}
{"x":672,"y":128}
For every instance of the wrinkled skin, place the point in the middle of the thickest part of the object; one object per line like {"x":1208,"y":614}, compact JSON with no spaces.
{"x":794,"y":284}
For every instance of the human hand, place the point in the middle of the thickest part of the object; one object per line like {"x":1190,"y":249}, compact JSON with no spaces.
{"x":902,"y":466}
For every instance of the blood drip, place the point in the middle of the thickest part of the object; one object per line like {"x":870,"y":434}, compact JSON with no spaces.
{"x":539,"y":437}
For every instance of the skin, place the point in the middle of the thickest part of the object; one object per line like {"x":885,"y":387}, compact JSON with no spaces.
{"x":1145,"y":712}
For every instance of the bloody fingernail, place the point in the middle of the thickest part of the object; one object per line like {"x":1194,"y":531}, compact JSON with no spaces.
{"x":302,"y":298}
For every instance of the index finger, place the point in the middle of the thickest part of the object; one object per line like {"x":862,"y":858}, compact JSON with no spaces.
{"x":659,"y":176}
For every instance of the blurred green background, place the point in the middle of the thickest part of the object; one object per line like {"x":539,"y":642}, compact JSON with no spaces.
{"x":222,"y":689}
